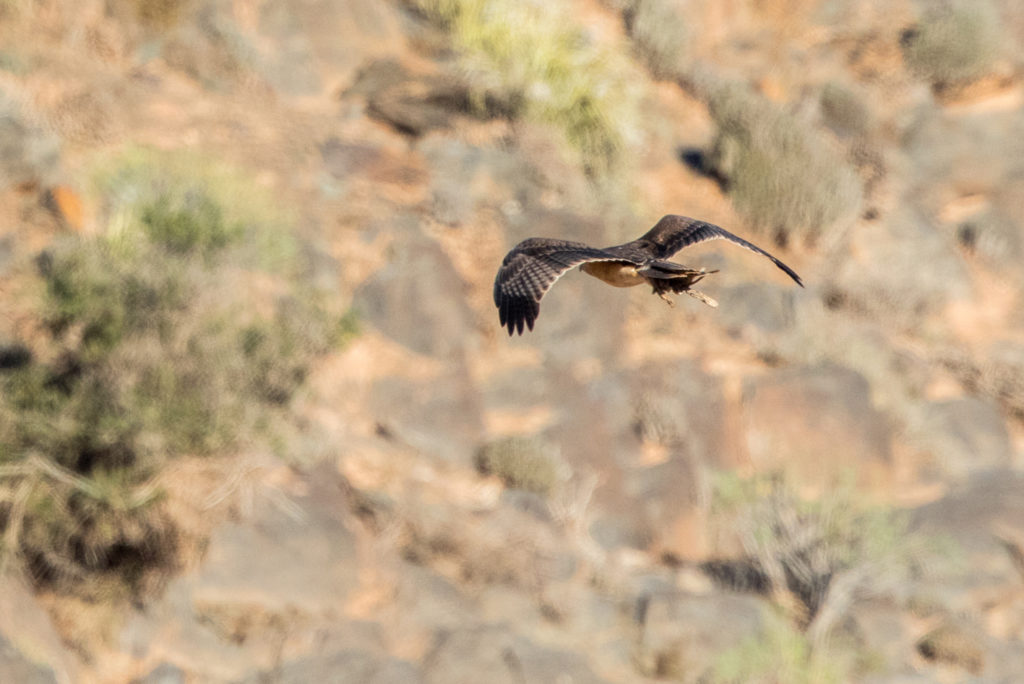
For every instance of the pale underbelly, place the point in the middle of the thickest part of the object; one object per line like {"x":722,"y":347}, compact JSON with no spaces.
{"x":613,"y":273}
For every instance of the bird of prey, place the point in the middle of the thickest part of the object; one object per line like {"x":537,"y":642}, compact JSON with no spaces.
{"x":533,"y":266}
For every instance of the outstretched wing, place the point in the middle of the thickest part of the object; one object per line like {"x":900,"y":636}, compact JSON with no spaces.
{"x":529,"y":271}
{"x":673,"y":233}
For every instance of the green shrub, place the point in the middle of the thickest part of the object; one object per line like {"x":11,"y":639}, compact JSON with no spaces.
{"x":780,"y":654}
{"x":521,"y":463}
{"x":183,"y":330}
{"x":785,"y":178}
{"x":530,"y":59}
{"x":955,"y":42}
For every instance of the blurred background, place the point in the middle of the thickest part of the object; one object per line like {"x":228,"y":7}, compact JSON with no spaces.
{"x":259,"y":423}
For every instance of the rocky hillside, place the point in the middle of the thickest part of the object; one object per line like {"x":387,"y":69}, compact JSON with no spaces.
{"x":259,"y":422}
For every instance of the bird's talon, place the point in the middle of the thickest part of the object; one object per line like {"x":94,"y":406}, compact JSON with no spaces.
{"x":697,"y":294}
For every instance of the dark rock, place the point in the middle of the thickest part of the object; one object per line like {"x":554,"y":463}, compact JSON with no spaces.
{"x":416,"y":113}
{"x":497,"y":655}
{"x":966,"y":436}
{"x":820,"y":421}
{"x":14,"y":355}
{"x":411,"y":103}
{"x":378,"y":76}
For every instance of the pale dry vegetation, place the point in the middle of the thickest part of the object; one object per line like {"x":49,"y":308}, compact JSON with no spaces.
{"x":529,"y":60}
{"x":816,"y":558}
{"x":521,"y":463}
{"x":781,"y":653}
{"x":660,"y":33}
{"x":785,"y":177}
{"x":955,"y":42}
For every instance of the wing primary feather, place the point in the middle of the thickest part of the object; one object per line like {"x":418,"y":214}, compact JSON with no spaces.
{"x":673,"y":233}
{"x":529,"y":270}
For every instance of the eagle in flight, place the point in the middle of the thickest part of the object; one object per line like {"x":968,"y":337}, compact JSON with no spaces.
{"x":533,"y":266}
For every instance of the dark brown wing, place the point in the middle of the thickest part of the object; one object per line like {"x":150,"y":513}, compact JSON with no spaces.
{"x":529,"y":271}
{"x":673,"y":233}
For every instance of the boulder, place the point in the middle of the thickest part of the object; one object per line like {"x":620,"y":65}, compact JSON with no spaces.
{"x":418,"y":298}
{"x":439,"y":417}
{"x":272,"y":585}
{"x":884,"y":276}
{"x":760,"y":307}
{"x":820,"y":422}
{"x":966,"y":436}
{"x":301,"y":555}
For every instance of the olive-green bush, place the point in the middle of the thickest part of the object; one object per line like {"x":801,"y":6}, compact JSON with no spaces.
{"x":183,"y":329}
